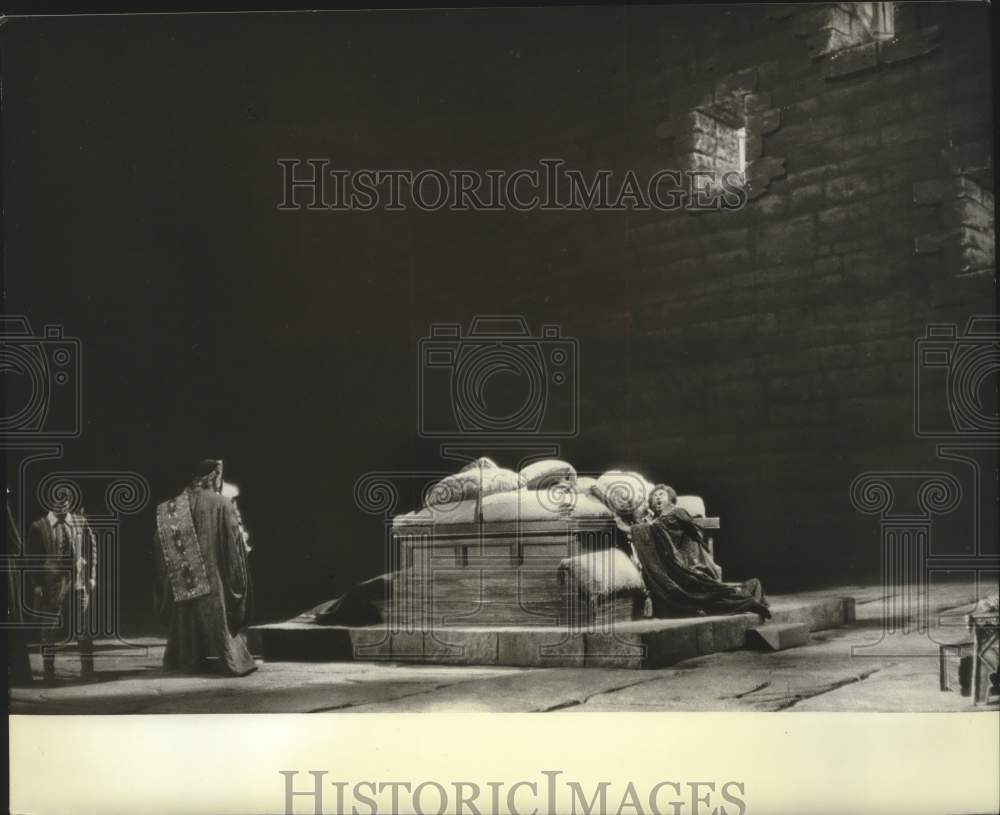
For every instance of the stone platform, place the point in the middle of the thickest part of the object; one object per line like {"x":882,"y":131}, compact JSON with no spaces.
{"x":633,"y":644}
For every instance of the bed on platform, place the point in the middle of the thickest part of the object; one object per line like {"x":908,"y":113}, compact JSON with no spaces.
{"x":549,"y":556}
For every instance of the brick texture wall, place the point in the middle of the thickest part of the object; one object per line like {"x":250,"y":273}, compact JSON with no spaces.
{"x":764,"y":357}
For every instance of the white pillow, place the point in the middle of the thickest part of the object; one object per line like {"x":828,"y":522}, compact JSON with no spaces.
{"x":457,"y":512}
{"x":621,"y":491}
{"x":543,"y":474}
{"x":473,"y":484}
{"x":605,"y":573}
{"x":693,"y":504}
{"x":482,"y":463}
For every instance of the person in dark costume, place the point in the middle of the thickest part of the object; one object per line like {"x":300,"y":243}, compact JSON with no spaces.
{"x":203,"y":584}
{"x":65,"y":584}
{"x":679,"y":572}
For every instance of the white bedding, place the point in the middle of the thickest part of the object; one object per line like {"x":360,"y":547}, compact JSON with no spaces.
{"x":519,"y":505}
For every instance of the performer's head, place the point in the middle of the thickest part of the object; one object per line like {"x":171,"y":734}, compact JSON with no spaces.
{"x":662,"y":499}
{"x":60,"y":507}
{"x":207,"y":475}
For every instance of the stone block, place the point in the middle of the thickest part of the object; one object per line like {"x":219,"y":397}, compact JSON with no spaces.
{"x":615,"y":649}
{"x":930,"y":243}
{"x":668,"y":646}
{"x":849,"y":187}
{"x":729,"y":633}
{"x":932,"y":191}
{"x":819,"y":129}
{"x":967,"y":188}
{"x":914,"y":45}
{"x":462,"y":647}
{"x":754,"y":147}
{"x":699,"y":122}
{"x":778,"y":637}
{"x":540,"y":649}
{"x":849,"y":61}
{"x":881,"y":113}
{"x":373,"y":643}
{"x":697,"y":142}
{"x":828,"y":41}
{"x":787,"y":241}
{"x":816,"y":615}
{"x":806,"y":196}
{"x":691,"y":95}
{"x":849,"y":610}
{"x":972,"y":157}
{"x":761,"y":172}
{"x":764,"y":122}
{"x":757,"y":102}
{"x":704,"y":638}
{"x":976,"y":240}
{"x":407,"y":645}
{"x":923,"y":127}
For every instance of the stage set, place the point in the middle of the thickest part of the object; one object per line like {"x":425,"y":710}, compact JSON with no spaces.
{"x":535,"y":568}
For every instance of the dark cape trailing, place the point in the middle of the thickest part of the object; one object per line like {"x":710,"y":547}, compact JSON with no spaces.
{"x":210,"y":603}
{"x":362,"y":604}
{"x":680,"y":575}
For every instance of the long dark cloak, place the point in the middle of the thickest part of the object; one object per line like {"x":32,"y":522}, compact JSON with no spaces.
{"x":207,"y":632}
{"x":680,"y":575}
{"x":362,"y":604}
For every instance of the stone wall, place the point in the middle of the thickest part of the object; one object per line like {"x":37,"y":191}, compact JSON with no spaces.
{"x":764,"y":357}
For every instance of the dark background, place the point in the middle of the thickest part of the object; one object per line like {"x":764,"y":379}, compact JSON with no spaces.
{"x":140,"y":194}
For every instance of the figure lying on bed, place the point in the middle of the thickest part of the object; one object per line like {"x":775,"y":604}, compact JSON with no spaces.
{"x":668,"y":549}
{"x":680,"y":576}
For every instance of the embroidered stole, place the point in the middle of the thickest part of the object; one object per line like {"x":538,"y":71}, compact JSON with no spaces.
{"x":179,"y":541}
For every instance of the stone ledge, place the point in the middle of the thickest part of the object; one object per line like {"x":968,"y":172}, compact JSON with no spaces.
{"x":634,"y":644}
{"x":847,"y":61}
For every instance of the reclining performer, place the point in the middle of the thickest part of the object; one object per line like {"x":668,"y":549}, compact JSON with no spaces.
{"x":204,"y":585}
{"x":680,"y":575}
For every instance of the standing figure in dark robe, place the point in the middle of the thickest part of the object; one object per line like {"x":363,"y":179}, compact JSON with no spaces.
{"x":63,"y":586}
{"x":204,"y":585}
{"x":679,"y":572}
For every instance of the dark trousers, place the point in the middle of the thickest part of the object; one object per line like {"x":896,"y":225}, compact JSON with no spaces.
{"x":73,"y":624}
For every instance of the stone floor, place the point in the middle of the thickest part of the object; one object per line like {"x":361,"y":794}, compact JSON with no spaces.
{"x":838,"y":670}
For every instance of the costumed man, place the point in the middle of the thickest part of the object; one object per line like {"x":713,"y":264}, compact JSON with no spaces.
{"x":680,"y":575}
{"x":203,"y":582}
{"x":62,"y":588}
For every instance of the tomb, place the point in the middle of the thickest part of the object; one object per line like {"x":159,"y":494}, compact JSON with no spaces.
{"x":500,"y":568}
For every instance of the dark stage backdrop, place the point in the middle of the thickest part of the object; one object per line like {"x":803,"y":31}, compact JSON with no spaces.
{"x":760,"y":358}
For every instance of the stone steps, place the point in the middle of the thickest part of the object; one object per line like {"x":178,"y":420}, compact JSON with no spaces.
{"x":631,"y":644}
